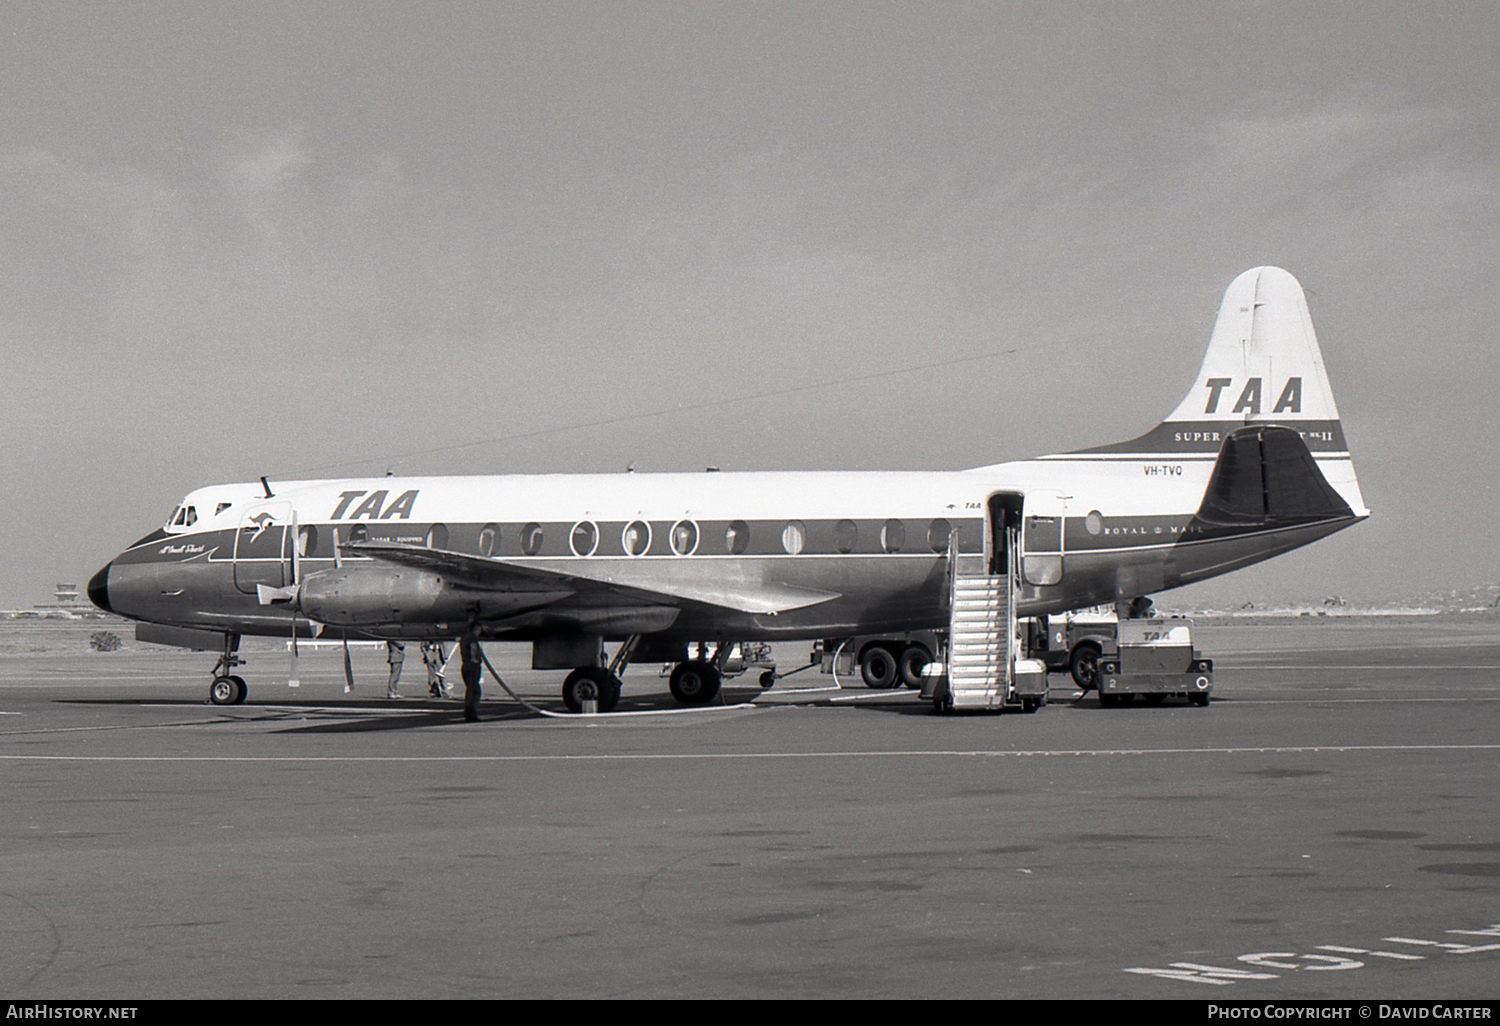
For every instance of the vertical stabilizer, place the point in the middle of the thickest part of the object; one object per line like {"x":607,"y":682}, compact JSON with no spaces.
{"x":1263,"y":366}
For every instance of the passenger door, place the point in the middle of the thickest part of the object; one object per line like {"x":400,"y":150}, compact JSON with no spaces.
{"x":261,"y":552}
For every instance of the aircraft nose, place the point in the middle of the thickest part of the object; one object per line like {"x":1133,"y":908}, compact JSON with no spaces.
{"x":99,"y":589}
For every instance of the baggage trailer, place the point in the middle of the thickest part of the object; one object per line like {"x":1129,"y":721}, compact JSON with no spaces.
{"x":1154,"y":658}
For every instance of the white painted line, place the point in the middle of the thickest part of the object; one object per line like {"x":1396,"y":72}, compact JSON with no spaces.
{"x":1453,"y":949}
{"x":733,"y":756}
{"x":1381,"y":954}
{"x":1223,"y":665}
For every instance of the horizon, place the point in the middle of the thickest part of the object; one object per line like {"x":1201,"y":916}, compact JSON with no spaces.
{"x":262,"y":238}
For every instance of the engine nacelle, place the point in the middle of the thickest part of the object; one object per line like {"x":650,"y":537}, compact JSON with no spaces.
{"x":369,"y":596}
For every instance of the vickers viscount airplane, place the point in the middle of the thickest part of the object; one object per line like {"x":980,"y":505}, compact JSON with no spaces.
{"x":1251,"y":464}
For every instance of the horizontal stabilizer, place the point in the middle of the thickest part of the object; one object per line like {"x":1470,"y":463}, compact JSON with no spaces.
{"x":1266,"y":475}
{"x":492,"y":573}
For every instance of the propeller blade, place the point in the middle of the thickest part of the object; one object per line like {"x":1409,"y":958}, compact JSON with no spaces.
{"x":296,"y":553}
{"x":292,"y":681}
{"x":348,"y":666}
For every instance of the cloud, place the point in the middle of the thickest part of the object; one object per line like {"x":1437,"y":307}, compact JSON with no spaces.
{"x":255,"y":183}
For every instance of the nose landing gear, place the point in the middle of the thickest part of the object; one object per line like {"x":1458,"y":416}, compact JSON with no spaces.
{"x":228,"y":688}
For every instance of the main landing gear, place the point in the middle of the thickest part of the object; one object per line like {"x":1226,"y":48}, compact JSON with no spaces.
{"x":228,"y":688}
{"x":695,"y":682}
{"x":594,"y":684}
{"x":597,"y":688}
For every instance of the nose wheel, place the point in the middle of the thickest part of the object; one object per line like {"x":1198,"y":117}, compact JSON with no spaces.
{"x":227,"y":690}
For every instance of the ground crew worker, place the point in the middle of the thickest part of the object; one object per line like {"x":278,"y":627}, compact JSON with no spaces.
{"x":433,"y":658}
{"x":395,"y":654}
{"x":470,"y":656}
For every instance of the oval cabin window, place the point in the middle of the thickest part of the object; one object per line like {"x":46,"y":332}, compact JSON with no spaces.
{"x":737,"y":538}
{"x":488,"y":535}
{"x":636,"y":538}
{"x":892,"y":535}
{"x":794,"y":537}
{"x":684,"y":537}
{"x":585,"y":538}
{"x":937,"y":535}
{"x":845,"y":536}
{"x":531,"y":539}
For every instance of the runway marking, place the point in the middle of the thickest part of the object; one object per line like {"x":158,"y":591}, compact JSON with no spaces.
{"x":1362,"y":951}
{"x":1192,"y":972}
{"x":730,"y":756}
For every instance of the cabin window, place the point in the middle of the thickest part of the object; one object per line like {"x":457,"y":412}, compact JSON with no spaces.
{"x":1093,"y":523}
{"x":636,"y":538}
{"x":359,"y":533}
{"x":437,"y":536}
{"x":845,"y":535}
{"x":487,"y":535}
{"x":737,"y":538}
{"x":585,"y":538}
{"x":892,"y":535}
{"x":684,"y":537}
{"x":531,"y":539}
{"x":937,"y":535}
{"x":307,"y":540}
{"x":794,"y":537}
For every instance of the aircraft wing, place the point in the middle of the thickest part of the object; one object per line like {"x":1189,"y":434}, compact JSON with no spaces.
{"x":500,"y":574}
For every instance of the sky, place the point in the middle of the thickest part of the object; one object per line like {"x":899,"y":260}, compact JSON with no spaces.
{"x":313,"y":240}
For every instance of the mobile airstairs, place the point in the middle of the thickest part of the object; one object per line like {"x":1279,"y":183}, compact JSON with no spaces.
{"x":985,"y":665}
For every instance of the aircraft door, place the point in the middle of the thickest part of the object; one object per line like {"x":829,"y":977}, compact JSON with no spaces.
{"x":261,"y":546}
{"x":1005,"y":528}
{"x":1043,"y":544}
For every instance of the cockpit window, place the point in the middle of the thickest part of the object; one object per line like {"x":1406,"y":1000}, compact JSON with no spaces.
{"x":177,"y":518}
{"x":192,"y":516}
{"x":222,"y":507}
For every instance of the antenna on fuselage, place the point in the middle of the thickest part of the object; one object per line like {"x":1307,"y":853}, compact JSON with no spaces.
{"x":266,"y":486}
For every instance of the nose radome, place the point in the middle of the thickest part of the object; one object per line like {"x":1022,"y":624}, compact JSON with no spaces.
{"x":99,"y":589}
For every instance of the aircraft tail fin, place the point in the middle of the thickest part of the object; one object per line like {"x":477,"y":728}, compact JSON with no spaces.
{"x":1263,"y":366}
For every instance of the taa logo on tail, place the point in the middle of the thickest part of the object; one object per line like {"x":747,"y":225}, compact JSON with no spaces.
{"x":1290,"y":400}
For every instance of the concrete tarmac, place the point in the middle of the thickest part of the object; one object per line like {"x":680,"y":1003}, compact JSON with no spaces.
{"x":1326,"y":828}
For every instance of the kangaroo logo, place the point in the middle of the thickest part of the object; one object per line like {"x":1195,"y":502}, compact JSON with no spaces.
{"x":261,"y":522}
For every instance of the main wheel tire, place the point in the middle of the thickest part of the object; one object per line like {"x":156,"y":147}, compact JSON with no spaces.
{"x":695,"y":682}
{"x":1030,"y":705}
{"x":1154,"y":698}
{"x":878,"y":667}
{"x":910,"y":663}
{"x":223,"y":691}
{"x":1199,"y":698}
{"x":591,"y":683}
{"x":1083,"y":664}
{"x":240,"y":689}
